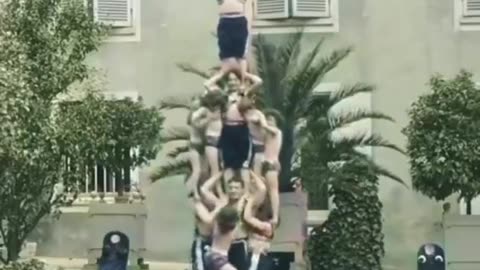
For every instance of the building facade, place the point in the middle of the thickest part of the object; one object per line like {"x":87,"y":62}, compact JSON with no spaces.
{"x":398,"y":45}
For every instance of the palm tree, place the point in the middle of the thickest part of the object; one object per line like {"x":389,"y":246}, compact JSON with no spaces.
{"x":291,"y":75}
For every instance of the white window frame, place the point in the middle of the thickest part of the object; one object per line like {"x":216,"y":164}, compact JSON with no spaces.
{"x":318,"y":25}
{"x":127,"y":34}
{"x":463,"y":21}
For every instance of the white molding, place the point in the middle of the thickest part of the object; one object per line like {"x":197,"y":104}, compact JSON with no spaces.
{"x":132,"y":34}
{"x":461,"y":22}
{"x":320,"y":25}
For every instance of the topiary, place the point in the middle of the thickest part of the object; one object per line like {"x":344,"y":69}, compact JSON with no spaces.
{"x":352,"y":236}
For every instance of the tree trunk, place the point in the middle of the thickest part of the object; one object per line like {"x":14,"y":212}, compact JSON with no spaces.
{"x":469,"y":206}
{"x":13,"y":247}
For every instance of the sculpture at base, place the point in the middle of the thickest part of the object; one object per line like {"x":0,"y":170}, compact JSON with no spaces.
{"x":431,"y":257}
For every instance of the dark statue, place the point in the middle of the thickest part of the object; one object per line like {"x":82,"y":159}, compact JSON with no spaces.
{"x":115,"y":251}
{"x":431,"y":257}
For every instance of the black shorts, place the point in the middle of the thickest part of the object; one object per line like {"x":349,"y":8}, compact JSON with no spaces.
{"x":232,"y":33}
{"x":238,"y":254}
{"x":260,"y":262}
{"x":199,"y":250}
{"x":235,"y":146}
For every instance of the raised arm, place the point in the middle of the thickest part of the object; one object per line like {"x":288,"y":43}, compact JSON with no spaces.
{"x":199,"y":118}
{"x":207,"y":189}
{"x":206,"y":216}
{"x":260,"y":189}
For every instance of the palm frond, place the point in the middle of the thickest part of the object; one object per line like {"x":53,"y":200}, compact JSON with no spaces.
{"x":376,"y":168}
{"x":271,"y":93}
{"x":346,"y":118}
{"x":365,"y":140}
{"x":287,"y":54}
{"x":188,"y":68}
{"x":175,"y":134}
{"x":177,"y":151}
{"x":171,"y":103}
{"x":349,"y":91}
{"x":171,"y":168}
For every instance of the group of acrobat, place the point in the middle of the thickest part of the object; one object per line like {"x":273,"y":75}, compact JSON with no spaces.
{"x":234,"y":156}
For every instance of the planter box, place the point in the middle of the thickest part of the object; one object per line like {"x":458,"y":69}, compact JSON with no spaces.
{"x":462,"y":238}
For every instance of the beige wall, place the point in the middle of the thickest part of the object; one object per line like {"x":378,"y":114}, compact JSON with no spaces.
{"x":398,"y":45}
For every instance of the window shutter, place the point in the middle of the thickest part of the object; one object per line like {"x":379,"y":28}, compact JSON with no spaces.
{"x":117,"y":13}
{"x":311,"y":8}
{"x":271,"y":9}
{"x":471,"y":8}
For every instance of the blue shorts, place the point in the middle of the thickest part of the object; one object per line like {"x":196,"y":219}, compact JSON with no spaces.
{"x":232,"y":33}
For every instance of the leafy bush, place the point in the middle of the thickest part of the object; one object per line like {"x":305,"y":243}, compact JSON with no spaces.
{"x":352,"y":236}
{"x":443,"y":141}
{"x":25,"y":265}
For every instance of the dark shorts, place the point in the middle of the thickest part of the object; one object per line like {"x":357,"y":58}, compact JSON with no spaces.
{"x":200,"y":248}
{"x":232,"y":33}
{"x":235,"y":145}
{"x":238,"y":254}
{"x":260,"y":262}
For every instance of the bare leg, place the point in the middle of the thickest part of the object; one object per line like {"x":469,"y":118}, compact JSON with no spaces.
{"x":226,"y":67}
{"x":245,"y":174}
{"x":227,"y":175}
{"x":257,"y":163}
{"x":192,"y":181}
{"x":272,"y":186}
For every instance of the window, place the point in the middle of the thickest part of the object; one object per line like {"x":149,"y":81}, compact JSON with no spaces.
{"x":467,"y":15}
{"x":122,"y":15}
{"x":281,"y":16}
{"x":100,"y":179}
{"x":317,"y":192}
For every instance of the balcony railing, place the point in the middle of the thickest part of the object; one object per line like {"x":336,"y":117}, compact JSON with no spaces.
{"x":103,"y":183}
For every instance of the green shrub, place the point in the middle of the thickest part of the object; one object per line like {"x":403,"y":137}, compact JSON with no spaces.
{"x":25,"y":265}
{"x":352,"y":236}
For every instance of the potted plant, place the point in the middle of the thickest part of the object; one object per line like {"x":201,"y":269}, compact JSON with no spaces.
{"x":444,"y":150}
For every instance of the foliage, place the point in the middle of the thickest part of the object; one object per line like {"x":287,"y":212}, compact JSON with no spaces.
{"x":443,"y":142}
{"x":106,"y":132}
{"x":26,"y":265}
{"x":290,"y":79}
{"x":352,"y":236}
{"x":43,"y":45}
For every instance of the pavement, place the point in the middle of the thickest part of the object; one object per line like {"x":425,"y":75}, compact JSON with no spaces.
{"x":78,"y":263}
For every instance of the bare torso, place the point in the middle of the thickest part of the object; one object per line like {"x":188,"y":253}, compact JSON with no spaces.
{"x":214,"y":126}
{"x":256,"y":131}
{"x":273,"y":145}
{"x":233,"y":114}
{"x":231,"y":6}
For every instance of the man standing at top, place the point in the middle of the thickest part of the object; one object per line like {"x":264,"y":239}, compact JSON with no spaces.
{"x":233,"y":39}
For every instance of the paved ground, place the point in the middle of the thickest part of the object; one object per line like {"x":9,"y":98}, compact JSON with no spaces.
{"x":75,"y":264}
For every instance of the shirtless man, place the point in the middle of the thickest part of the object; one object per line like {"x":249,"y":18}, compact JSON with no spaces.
{"x":233,"y":33}
{"x":204,"y":219}
{"x":237,"y":255}
{"x":212,"y":107}
{"x":271,"y":165}
{"x":196,"y":126}
{"x":260,"y":230}
{"x":259,"y":129}
{"x":223,"y":234}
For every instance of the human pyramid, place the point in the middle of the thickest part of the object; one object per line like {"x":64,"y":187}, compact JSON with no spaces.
{"x":234,"y":155}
